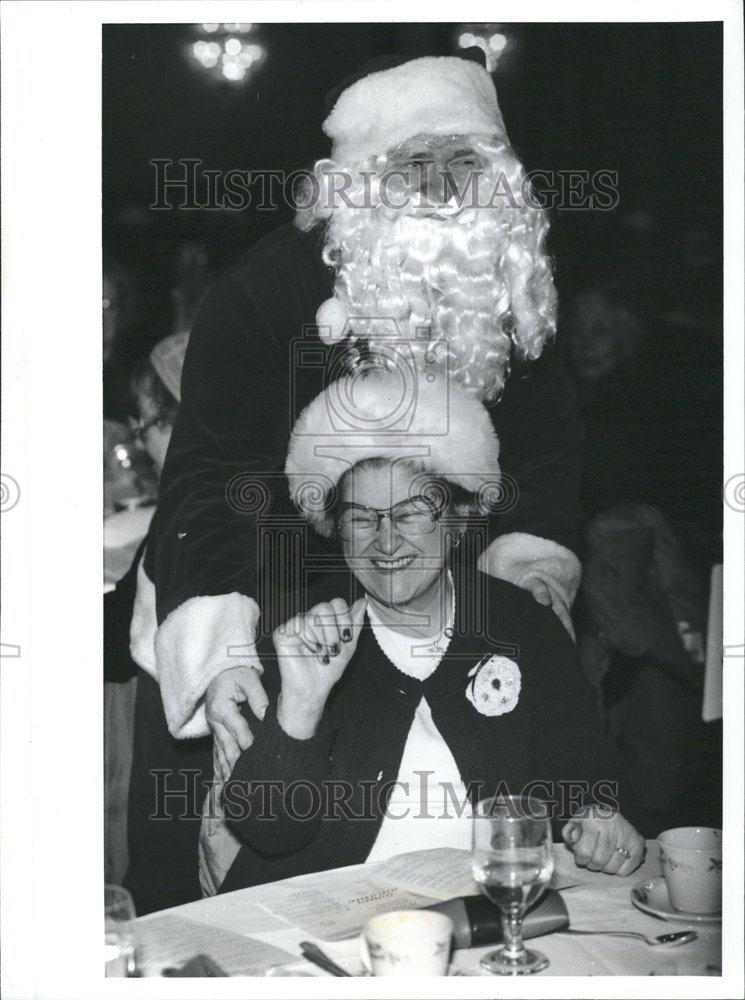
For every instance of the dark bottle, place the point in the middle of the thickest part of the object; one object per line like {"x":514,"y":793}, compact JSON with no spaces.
{"x":476,"y":921}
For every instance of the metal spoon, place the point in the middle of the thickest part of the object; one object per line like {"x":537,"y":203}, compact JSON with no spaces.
{"x":671,"y":940}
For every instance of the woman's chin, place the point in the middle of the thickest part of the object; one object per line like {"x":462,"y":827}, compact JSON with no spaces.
{"x":393,"y":589}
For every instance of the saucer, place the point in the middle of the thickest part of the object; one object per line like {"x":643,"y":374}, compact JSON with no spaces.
{"x":651,"y":896}
{"x":305,"y":968}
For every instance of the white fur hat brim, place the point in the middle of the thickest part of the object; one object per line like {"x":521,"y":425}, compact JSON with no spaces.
{"x":435,"y":95}
{"x":436,"y":424}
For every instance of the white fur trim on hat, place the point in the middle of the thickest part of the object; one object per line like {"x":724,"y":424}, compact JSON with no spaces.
{"x":396,"y":414}
{"x":436,"y":95}
{"x":197,"y":641}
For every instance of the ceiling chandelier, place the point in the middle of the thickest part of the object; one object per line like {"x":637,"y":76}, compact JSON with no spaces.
{"x":226,"y":51}
{"x":487,"y":37}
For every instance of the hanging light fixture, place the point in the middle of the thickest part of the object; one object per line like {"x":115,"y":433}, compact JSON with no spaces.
{"x":490,"y":38}
{"x":226,"y":51}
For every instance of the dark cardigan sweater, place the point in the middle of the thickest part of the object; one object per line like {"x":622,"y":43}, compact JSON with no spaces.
{"x":254,"y":362}
{"x":552,"y":735}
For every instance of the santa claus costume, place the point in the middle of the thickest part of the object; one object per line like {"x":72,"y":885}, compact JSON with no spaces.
{"x":461,"y":291}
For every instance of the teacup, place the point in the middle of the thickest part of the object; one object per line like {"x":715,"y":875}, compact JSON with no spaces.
{"x":407,"y":943}
{"x":691,"y":859}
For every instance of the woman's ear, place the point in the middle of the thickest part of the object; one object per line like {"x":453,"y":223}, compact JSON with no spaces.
{"x":459,"y":524}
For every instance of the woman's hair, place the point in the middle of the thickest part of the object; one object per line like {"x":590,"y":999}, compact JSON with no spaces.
{"x":458,"y":502}
{"x":145,"y":384}
{"x":491,"y":287}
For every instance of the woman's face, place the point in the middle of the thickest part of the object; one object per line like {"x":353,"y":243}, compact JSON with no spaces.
{"x":157,"y":435}
{"x":394,"y":567}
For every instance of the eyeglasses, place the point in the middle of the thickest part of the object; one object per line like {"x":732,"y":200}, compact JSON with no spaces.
{"x":139,"y":428}
{"x":414,"y":516}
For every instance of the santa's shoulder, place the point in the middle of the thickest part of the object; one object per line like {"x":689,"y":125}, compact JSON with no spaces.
{"x":283,"y":252}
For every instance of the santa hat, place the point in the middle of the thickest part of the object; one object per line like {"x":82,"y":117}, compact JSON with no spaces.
{"x":380,"y":414}
{"x":167,"y":358}
{"x":436,"y":95}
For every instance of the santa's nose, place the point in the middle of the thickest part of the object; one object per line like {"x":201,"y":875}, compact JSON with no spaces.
{"x":432,"y":184}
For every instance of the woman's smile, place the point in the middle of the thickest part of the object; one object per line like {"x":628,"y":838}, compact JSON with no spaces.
{"x":389,"y":565}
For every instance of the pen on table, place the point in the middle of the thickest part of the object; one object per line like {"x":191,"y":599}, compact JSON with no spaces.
{"x":314,"y":954}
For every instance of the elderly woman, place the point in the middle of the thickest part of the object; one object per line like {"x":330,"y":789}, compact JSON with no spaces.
{"x":414,"y":685}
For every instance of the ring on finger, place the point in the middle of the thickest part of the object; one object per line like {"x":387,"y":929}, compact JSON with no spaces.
{"x":624,"y":852}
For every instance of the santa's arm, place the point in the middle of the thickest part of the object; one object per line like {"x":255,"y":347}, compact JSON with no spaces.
{"x":540,"y":434}
{"x":222,"y":470}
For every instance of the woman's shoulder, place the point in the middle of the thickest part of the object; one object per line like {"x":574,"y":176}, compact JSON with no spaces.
{"x":513,"y":614}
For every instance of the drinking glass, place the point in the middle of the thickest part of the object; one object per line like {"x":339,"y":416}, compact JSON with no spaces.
{"x":120,"y":935}
{"x":512,"y":862}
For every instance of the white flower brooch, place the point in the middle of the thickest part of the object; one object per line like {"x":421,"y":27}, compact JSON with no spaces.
{"x":495,"y":687}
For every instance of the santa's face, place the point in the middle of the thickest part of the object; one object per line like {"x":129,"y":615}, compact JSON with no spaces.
{"x":435,"y":167}
{"x":423,"y":265}
{"x":435,"y":245}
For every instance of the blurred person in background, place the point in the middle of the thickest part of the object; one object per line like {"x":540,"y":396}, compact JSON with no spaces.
{"x":154,"y":398}
{"x":137,"y":735}
{"x":646,"y":352}
{"x":605,"y":339}
{"x":193,"y":280}
{"x":134,"y":454}
{"x":128,"y":479}
{"x":645,"y":345}
{"x":121,"y":345}
{"x":641,"y":629}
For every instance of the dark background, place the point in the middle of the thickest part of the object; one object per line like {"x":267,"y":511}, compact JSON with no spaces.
{"x":642,"y":99}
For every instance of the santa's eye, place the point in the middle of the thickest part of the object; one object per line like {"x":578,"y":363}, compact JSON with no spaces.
{"x":465,"y":161}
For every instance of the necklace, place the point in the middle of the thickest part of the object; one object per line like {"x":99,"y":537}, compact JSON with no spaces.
{"x":424,"y":649}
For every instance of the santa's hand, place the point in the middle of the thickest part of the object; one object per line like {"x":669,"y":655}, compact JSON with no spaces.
{"x":222,"y":700}
{"x":607,"y":844}
{"x":550,"y":597}
{"x":313,"y":650}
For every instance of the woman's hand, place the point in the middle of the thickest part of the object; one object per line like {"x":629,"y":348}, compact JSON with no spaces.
{"x":313,"y":651}
{"x":602,"y":843}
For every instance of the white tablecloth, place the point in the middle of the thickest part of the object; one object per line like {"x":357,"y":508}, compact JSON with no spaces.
{"x":246,"y":932}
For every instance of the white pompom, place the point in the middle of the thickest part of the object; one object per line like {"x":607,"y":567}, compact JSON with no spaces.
{"x":331,"y":319}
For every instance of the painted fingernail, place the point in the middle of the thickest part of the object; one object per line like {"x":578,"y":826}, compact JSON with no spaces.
{"x":346,"y":635}
{"x":334,"y":649}
{"x":325,"y":658}
{"x":319,"y":647}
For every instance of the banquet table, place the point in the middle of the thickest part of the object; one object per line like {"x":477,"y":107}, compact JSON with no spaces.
{"x":257,"y":931}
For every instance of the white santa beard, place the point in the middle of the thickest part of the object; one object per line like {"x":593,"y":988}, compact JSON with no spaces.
{"x":400,"y":275}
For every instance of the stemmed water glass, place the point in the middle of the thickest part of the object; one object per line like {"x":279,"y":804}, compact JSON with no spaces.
{"x":512,"y":862}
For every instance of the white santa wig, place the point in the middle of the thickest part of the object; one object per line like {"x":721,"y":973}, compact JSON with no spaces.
{"x":481,"y":282}
{"x":378,"y":414}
